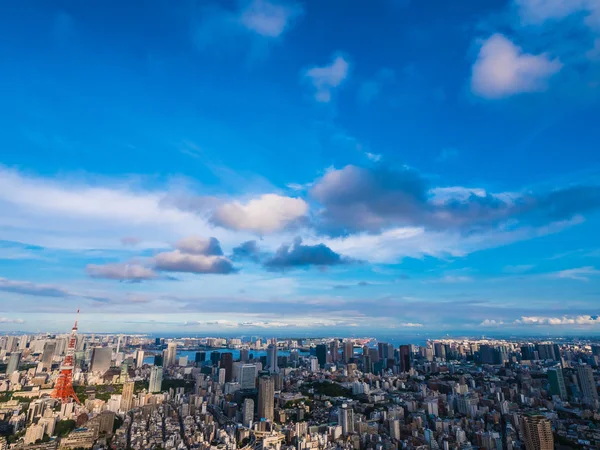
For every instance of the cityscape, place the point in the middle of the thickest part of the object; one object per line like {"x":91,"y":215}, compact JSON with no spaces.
{"x":82,"y":391}
{"x":300,"y":224}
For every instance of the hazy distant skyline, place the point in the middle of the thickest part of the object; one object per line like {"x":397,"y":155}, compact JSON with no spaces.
{"x":255,"y":166}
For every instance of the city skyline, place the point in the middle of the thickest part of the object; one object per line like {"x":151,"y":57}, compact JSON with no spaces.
{"x":257,"y":168}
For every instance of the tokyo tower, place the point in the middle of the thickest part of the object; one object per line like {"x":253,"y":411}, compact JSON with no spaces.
{"x":63,"y":388}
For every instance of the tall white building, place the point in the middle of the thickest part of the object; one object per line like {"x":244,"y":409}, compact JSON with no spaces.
{"x":171,"y":356}
{"x":156,"y":377}
{"x":346,"y":419}
{"x":139,"y":358}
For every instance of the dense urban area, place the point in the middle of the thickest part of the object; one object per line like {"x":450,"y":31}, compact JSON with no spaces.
{"x":81,"y":391}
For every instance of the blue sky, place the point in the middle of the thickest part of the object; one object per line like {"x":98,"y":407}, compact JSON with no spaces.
{"x":271,"y":166}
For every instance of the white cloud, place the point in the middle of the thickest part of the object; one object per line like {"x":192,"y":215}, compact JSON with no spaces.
{"x":580,"y":273}
{"x":177,"y":261}
{"x":502,"y":69}
{"x":375,"y":157}
{"x":67,"y":213}
{"x":491,"y":323}
{"x":269,"y":19}
{"x":121,"y":272}
{"x":442,"y":195}
{"x":325,"y":78}
{"x":555,"y":321}
{"x":267,"y":214}
{"x":7,"y":320}
{"x":537,"y":12}
{"x":410,"y":325}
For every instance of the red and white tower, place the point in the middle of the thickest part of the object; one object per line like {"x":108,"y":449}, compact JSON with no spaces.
{"x":63,"y":388}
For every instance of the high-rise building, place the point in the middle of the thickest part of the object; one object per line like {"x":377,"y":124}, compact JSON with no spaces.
{"x":139,"y":358}
{"x":248,"y":412}
{"x":156,"y":377}
{"x":537,"y":433}
{"x":23,"y":342}
{"x":101,"y":359}
{"x":48,"y":355}
{"x":528,"y":352}
{"x":247,"y":376}
{"x":215,"y":357}
{"x":404,"y":353}
{"x":588,"y":386}
{"x":346,"y":419}
{"x":266,"y":398}
{"x":347,"y":351}
{"x":272,"y":357}
{"x":321,"y":352}
{"x":200,"y":357}
{"x":221,"y":376}
{"x":171,"y":358}
{"x":127,"y":396}
{"x":334,"y":350}
{"x":439,"y":350}
{"x":227,"y":364}
{"x":557,"y":382}
{"x":13,"y":362}
{"x":244,"y":354}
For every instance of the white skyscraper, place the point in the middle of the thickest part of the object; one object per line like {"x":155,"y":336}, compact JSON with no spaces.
{"x":346,"y":419}
{"x":139,"y":358}
{"x":272,"y":357}
{"x":171,"y":357}
{"x":101,"y":359}
{"x":156,"y":377}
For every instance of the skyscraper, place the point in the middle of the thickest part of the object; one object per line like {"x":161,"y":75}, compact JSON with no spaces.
{"x":266,"y":398}
{"x":537,"y":433}
{"x":244,"y":354}
{"x":227,"y":364}
{"x":247,"y":376}
{"x":346,"y":419}
{"x":321,"y":352}
{"x":13,"y":362}
{"x":171,"y":359}
{"x":248,"y":412}
{"x":557,"y":382}
{"x":334,"y":350}
{"x":404,"y":352}
{"x":101,"y":359}
{"x":48,"y":355}
{"x":272,"y":358}
{"x":139,"y":358}
{"x":156,"y":376}
{"x":588,"y":386}
{"x":347,"y":351}
{"x":127,"y":396}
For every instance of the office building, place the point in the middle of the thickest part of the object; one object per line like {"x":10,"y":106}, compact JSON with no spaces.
{"x":171,"y":356}
{"x":247,"y":376}
{"x":404,"y":356}
{"x":156,"y":378}
{"x":13,"y":362}
{"x":248,"y":412}
{"x":127,"y":396}
{"x":244,"y":355}
{"x":588,"y":386}
{"x":557,"y":382}
{"x":48,"y":355}
{"x":215,"y":357}
{"x":139,"y":358}
{"x":227,"y":364}
{"x":272,"y":358}
{"x":101,"y":359}
{"x":346,"y":419}
{"x":266,"y":398}
{"x":537,"y":433}
{"x":321,"y":352}
{"x":200,"y":358}
{"x":347,"y":351}
{"x":334,"y":350}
